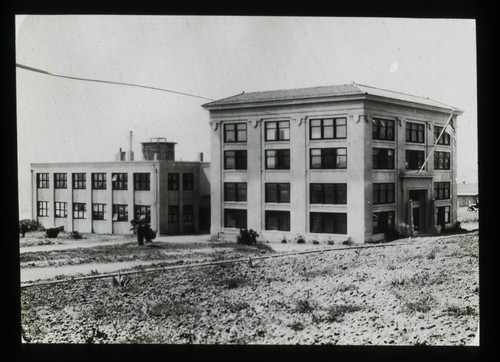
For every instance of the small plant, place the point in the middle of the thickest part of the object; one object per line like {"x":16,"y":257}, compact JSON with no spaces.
{"x":247,"y":237}
{"x":421,"y":305}
{"x":284,"y":240}
{"x":315,"y":242}
{"x":304,"y":306}
{"x":349,"y":241}
{"x":300,"y":239}
{"x":337,"y":312}
{"x":94,"y":272}
{"x":330,"y":241}
{"x":121,"y":281}
{"x":296,"y":326}
{"x":431,"y":255}
{"x":344,"y":288}
{"x":460,"y":311}
{"x":75,"y":235}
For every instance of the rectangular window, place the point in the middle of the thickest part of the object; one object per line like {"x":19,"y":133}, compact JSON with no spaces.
{"x":173,"y":181}
{"x":328,"y":193}
{"x":441,"y":160}
{"x":60,"y":180}
{"x":414,"y":159}
{"x":277,"y":130}
{"x":120,"y":212}
{"x":98,"y":211}
{"x":142,"y":181}
{"x":383,"y":221}
{"x":79,"y":181}
{"x":278,"y":220}
{"x":235,"y":191}
{"x":235,"y":160}
{"x":383,"y":193}
{"x":328,"y":128}
{"x":173,"y":214}
{"x":445,"y":137}
{"x":188,"y":213}
{"x":60,"y":209}
{"x":328,"y":158}
{"x":443,"y":215}
{"x":383,"y":129}
{"x":383,"y":159}
{"x":142,"y":211}
{"x":235,"y":132}
{"x":442,"y":190}
{"x":98,"y":181}
{"x":79,"y":210}
{"x":278,"y":159}
{"x":278,"y":192}
{"x":415,"y":132}
{"x":328,"y":222}
{"x":43,"y":208}
{"x":42,"y":180}
{"x":120,"y":181}
{"x":187,"y":181}
{"x":235,"y":218}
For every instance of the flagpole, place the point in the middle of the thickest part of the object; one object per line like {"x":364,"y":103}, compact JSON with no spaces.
{"x":437,"y":140}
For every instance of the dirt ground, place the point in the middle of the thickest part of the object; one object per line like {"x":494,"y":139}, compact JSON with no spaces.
{"x":424,"y":291}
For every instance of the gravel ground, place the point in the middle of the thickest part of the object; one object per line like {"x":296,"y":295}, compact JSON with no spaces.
{"x":423,"y":292}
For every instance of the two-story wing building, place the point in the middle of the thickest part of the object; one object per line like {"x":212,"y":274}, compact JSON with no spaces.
{"x":103,"y":197}
{"x":329,"y":163}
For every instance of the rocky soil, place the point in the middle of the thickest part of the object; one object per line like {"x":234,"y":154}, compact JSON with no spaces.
{"x":423,"y":292}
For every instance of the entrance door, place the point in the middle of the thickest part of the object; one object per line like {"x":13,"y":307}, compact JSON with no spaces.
{"x":418,"y":198}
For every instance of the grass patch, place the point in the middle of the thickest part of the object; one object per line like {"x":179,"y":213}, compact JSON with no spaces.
{"x":336,"y":312}
{"x":304,"y":306}
{"x":423,"y":305}
{"x":457,"y":311}
{"x":297,"y":326}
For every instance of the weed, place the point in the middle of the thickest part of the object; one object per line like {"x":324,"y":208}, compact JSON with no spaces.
{"x":336,"y":312}
{"x":421,"y":305}
{"x":457,"y":311}
{"x":75,"y":235}
{"x":94,"y":272}
{"x":304,"y":306}
{"x":121,"y":281}
{"x":330,"y":241}
{"x":431,"y":255}
{"x":349,"y":241}
{"x":315,"y":242}
{"x":296,"y":326}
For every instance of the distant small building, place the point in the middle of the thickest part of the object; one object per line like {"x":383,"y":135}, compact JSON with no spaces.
{"x":103,"y":197}
{"x":467,"y":194}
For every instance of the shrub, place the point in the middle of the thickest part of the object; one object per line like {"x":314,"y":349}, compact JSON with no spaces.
{"x":53,"y":232}
{"x":315,"y":242}
{"x":330,"y":242}
{"x":142,"y":228}
{"x":121,"y":281}
{"x":75,"y":235}
{"x":349,"y":241}
{"x":30,"y":225}
{"x":300,"y":240}
{"x":421,"y":305}
{"x":459,"y":311}
{"x":456,"y":228}
{"x":247,"y":237}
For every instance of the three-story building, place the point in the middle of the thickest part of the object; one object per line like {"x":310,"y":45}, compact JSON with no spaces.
{"x":329,"y":163}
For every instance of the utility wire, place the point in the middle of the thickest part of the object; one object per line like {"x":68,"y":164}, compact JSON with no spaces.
{"x":32,"y":69}
{"x":108,"y":82}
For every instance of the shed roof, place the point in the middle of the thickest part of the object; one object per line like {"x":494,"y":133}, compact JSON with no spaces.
{"x":353,"y":89}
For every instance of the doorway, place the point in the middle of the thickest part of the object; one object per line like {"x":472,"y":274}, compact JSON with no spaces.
{"x":418,"y":208}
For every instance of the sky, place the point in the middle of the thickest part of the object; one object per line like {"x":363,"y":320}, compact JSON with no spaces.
{"x":65,"y":120}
